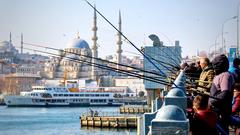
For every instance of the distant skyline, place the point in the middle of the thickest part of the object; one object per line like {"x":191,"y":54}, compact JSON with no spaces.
{"x":197,"y":24}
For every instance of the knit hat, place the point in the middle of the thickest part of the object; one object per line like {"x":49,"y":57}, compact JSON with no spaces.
{"x":220,"y":64}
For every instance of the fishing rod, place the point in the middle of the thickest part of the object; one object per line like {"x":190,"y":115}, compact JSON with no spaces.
{"x":111,"y":69}
{"x":63,"y":51}
{"x":204,"y":93}
{"x":126,"y":38}
{"x":106,"y":67}
{"x":145,"y":56}
{"x":158,"y":61}
{"x":153,"y":37}
{"x":161,"y":63}
{"x":178,"y":58}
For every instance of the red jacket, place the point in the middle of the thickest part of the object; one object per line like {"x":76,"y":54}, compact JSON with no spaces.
{"x":236,"y":104}
{"x":204,"y":123}
{"x":209,"y":117}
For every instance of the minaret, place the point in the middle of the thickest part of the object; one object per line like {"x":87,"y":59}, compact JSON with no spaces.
{"x":10,"y":39}
{"x":119,"y":41}
{"x":94,"y":47}
{"x":78,"y":35}
{"x":21,"y":43}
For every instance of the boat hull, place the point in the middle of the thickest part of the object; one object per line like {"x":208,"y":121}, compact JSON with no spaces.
{"x":24,"y":101}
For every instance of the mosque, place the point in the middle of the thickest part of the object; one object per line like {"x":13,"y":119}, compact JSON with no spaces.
{"x":8,"y":52}
{"x":65,"y":66}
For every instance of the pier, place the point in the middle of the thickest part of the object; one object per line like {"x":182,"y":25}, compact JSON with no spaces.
{"x":131,"y":109}
{"x":109,"y":121}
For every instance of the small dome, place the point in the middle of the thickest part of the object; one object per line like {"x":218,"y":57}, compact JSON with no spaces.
{"x":78,"y":44}
{"x":176,"y":92}
{"x":171,"y":113}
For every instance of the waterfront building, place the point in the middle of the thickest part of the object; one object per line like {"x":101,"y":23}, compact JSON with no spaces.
{"x":135,"y":61}
{"x":28,"y":70}
{"x":2,"y":84}
{"x":27,"y":58}
{"x":134,"y":84}
{"x":15,"y":83}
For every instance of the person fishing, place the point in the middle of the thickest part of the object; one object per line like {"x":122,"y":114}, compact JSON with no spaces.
{"x":221,"y":92}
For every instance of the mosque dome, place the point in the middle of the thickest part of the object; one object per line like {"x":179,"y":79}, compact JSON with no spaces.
{"x":78,"y":43}
{"x":4,"y":45}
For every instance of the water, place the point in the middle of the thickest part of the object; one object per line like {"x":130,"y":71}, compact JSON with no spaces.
{"x":53,"y":121}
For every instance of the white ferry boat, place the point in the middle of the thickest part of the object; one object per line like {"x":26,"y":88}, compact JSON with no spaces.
{"x":62,"y":96}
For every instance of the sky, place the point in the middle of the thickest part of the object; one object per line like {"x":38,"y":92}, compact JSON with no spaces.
{"x":197,"y":24}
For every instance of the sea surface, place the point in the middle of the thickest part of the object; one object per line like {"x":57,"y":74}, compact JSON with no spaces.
{"x":54,"y":121}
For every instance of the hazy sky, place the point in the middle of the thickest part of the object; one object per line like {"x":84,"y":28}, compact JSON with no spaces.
{"x":197,"y":24}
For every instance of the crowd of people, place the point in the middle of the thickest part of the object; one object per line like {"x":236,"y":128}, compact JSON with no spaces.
{"x":216,"y":95}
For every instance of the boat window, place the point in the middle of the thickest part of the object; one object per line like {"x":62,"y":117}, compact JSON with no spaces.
{"x":106,"y":95}
{"x":60,"y":95}
{"x":101,"y":95}
{"x":110,"y":100}
{"x":41,"y":100}
{"x":86,"y":95}
{"x":65,"y":95}
{"x":55,"y":95}
{"x":46,"y":95}
{"x":81,"y":95}
{"x":70,"y":95}
{"x":77,"y":95}
{"x":96,"y":95}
